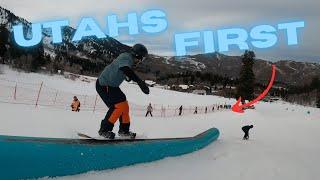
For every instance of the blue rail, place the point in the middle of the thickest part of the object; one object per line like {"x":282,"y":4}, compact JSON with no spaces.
{"x":29,"y":157}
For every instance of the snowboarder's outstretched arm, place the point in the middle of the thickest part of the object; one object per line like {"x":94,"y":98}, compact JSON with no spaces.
{"x":131,"y":75}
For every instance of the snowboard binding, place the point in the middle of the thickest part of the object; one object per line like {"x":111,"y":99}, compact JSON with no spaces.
{"x":107,"y":134}
{"x":127,"y":134}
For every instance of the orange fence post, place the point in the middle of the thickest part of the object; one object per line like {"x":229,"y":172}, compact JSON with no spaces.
{"x":15,"y":92}
{"x":39,"y":94}
{"x":55,"y":98}
{"x":84,"y":101}
{"x":95,"y":103}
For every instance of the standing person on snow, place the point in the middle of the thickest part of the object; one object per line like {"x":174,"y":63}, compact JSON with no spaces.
{"x":246,"y":129}
{"x":75,"y":105}
{"x":196,"y":110}
{"x":180,"y":110}
{"x":107,"y":86}
{"x":149,"y":110}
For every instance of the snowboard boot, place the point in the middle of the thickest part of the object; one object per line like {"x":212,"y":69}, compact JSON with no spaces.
{"x":128,"y":134}
{"x":106,"y":129}
{"x":124,"y":131}
{"x":108,"y":134}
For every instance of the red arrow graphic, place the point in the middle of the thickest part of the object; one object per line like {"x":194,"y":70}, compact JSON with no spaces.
{"x":239,"y":108}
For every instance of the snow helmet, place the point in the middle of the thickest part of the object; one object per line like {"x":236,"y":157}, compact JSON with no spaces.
{"x":139,"y":51}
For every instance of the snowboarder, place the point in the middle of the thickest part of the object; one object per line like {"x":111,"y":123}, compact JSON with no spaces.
{"x":180,"y":110}
{"x":206,"y":110}
{"x":107,"y":86}
{"x":246,"y":129}
{"x":149,"y":110}
{"x":75,"y":105}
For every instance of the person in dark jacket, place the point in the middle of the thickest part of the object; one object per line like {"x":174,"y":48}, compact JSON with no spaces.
{"x":195,"y":110}
{"x":149,"y":110}
{"x":180,"y":110}
{"x":246,"y":129}
{"x":107,"y":86}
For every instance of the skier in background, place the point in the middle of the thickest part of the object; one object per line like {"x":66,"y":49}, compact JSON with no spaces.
{"x":180,"y":110}
{"x":196,"y":110}
{"x":107,"y":86}
{"x":246,"y":129}
{"x":149,"y":110}
{"x":75,"y":105}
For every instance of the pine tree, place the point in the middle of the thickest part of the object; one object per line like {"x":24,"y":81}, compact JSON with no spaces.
{"x":245,"y":88}
{"x":4,"y":35}
{"x":318,"y":99}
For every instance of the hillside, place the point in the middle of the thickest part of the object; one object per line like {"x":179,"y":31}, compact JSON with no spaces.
{"x":288,"y":72}
{"x":90,"y":55}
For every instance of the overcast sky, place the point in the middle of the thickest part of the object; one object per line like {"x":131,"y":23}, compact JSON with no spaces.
{"x":190,"y":15}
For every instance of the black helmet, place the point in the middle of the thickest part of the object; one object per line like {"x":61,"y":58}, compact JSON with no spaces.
{"x":139,"y":51}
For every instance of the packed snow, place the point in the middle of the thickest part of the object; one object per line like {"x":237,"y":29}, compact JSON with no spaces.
{"x":283,"y":143}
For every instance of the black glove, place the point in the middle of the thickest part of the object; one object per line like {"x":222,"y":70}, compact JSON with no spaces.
{"x":132,"y":76}
{"x":144,"y":88}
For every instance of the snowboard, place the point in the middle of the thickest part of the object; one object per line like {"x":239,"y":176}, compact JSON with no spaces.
{"x":103,"y":138}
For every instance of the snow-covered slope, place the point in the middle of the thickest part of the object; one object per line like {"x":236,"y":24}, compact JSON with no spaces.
{"x":283,"y":143}
{"x":134,"y":94}
{"x":283,"y":146}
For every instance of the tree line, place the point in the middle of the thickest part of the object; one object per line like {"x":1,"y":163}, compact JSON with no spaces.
{"x":306,"y":94}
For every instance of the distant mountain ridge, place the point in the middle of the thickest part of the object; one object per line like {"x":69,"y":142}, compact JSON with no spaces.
{"x":103,"y":51}
{"x":91,"y":48}
{"x":288,"y":72}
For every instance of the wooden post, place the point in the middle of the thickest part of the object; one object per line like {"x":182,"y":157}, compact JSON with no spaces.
{"x":55,"y":98}
{"x":95,"y":103}
{"x":39,"y":94}
{"x":84,"y":101}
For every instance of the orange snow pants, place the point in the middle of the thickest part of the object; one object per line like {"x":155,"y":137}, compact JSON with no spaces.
{"x":119,"y":111}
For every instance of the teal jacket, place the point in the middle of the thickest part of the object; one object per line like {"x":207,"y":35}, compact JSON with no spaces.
{"x":112,"y":75}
